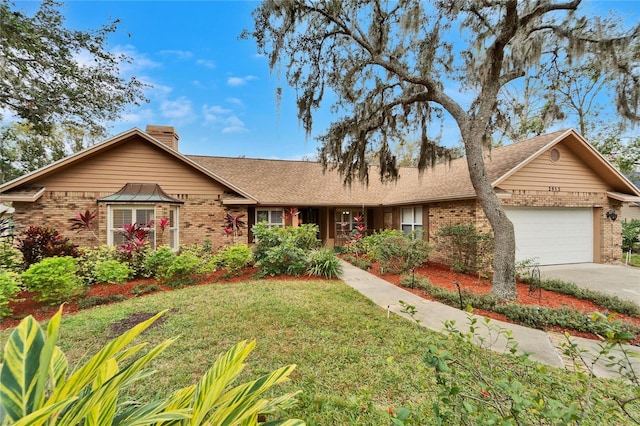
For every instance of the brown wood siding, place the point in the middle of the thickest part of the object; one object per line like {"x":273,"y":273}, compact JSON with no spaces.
{"x":568,"y":174}
{"x":134,"y":161}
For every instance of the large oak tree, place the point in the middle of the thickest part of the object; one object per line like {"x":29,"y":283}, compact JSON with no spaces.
{"x":397,"y":66}
{"x":50,"y":74}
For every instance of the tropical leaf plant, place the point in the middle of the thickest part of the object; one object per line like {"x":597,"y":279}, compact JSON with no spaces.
{"x":84,"y":221}
{"x":233,"y":224}
{"x":37,"y":388}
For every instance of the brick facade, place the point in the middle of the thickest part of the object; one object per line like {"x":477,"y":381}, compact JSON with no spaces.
{"x":200,"y":218}
{"x":607,"y":233}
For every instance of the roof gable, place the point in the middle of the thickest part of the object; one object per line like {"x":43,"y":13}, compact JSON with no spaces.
{"x":583,"y":161}
{"x":123,"y":158}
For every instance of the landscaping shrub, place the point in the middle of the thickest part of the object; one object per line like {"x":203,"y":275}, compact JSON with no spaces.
{"x":612,"y":303}
{"x":9,"y":288}
{"x":304,"y":237}
{"x":183,"y":271}
{"x":54,"y":279}
{"x":10,"y":258}
{"x":234,"y":259}
{"x":399,"y":253}
{"x":465,"y":249}
{"x":372,"y":244}
{"x":359,"y":262}
{"x":157,"y":263}
{"x":205,"y":253}
{"x":323,"y":263}
{"x":39,"y":242}
{"x":284,"y":259}
{"x":283,"y":250}
{"x":135,"y":259}
{"x":89,"y":302}
{"x":143,"y":289}
{"x":90,"y":257}
{"x":111,"y":271}
{"x":532,"y":316}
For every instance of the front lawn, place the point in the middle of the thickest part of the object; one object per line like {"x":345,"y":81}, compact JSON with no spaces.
{"x":354,"y":364}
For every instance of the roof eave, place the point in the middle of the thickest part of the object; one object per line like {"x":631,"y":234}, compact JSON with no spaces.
{"x":32,"y":198}
{"x":242,"y":202}
{"x":623,"y":197}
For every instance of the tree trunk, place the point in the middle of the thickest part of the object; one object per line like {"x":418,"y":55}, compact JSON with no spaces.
{"x":504,"y":286}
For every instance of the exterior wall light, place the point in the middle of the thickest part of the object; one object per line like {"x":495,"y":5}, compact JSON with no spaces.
{"x":611,"y":214}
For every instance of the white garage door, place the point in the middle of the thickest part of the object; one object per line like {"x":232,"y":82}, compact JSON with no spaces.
{"x":553,"y":235}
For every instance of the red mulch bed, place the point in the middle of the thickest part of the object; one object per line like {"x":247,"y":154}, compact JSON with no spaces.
{"x":438,"y":274}
{"x":442,"y":276}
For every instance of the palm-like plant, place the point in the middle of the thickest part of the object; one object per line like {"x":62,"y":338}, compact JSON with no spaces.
{"x":233,"y":225}
{"x":37,"y":388}
{"x":84,"y":221}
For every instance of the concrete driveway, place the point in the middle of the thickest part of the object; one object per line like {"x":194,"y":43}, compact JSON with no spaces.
{"x":617,"y":280}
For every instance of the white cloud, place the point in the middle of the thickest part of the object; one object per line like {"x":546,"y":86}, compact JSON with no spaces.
{"x":240,"y":81}
{"x":206,"y":63}
{"x":179,"y":110}
{"x":224,"y":119}
{"x":156,"y":91}
{"x":139,"y":61}
{"x":215,"y":113}
{"x":180,"y":54}
{"x":235,"y":101}
{"x":140,"y":117}
{"x":234,"y":125}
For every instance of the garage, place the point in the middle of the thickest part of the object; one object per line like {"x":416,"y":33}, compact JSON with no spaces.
{"x":553,"y":236}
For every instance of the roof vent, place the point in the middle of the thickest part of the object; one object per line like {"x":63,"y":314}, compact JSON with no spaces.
{"x":165,"y":134}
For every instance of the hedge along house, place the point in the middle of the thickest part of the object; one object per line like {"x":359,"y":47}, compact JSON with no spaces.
{"x":561,"y":194}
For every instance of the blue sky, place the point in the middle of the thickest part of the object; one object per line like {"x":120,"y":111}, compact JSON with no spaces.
{"x":207,"y":83}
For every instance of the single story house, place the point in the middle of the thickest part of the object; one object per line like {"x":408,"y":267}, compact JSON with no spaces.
{"x":561,"y":194}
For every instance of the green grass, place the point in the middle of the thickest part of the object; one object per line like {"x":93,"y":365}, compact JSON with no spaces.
{"x":353,"y":362}
{"x":634,"y":259}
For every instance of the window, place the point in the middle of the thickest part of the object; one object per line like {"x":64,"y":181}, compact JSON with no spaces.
{"x":346,"y":222}
{"x":174,"y":237}
{"x":273,"y":217}
{"x":411,"y":219}
{"x":124,"y":215}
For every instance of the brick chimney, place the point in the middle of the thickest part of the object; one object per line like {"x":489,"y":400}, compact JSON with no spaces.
{"x":165,"y":134}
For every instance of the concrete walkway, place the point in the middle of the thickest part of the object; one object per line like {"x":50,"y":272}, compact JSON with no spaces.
{"x":541,"y":346}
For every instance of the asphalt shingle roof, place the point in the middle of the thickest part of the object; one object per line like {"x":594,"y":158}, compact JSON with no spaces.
{"x":280,"y":182}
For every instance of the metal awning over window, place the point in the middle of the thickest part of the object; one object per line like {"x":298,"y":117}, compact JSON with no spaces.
{"x":140,"y":193}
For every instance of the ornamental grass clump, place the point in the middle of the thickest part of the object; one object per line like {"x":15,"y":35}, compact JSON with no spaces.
{"x":323,"y":263}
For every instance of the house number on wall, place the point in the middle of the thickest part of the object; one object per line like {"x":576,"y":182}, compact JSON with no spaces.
{"x":554,"y":189}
